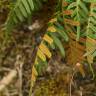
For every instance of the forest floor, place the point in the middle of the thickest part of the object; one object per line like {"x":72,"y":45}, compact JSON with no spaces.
{"x":56,"y":80}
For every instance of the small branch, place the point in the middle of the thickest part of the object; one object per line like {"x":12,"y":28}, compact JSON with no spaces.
{"x":13,"y":74}
{"x":7,"y":80}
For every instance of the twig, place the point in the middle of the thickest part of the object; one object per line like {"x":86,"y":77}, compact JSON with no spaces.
{"x":7,"y":80}
{"x":12,"y":74}
{"x":20,"y":81}
{"x":4,"y":69}
{"x":19,"y":65}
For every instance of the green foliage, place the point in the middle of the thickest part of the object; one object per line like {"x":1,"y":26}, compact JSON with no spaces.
{"x":22,"y":9}
{"x":77,"y":16}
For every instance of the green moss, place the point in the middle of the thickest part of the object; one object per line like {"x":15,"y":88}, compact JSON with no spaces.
{"x":50,"y":87}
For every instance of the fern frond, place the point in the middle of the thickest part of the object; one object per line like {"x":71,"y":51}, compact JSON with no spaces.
{"x":74,"y":15}
{"x":80,"y":10}
{"x":91,"y":28}
{"x":91,"y":33}
{"x":50,"y":39}
{"x":22,"y":9}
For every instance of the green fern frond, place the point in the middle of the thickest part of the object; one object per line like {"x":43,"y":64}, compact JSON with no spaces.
{"x":91,"y":31}
{"x":22,"y":9}
{"x":80,"y":12}
{"x":91,"y":28}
